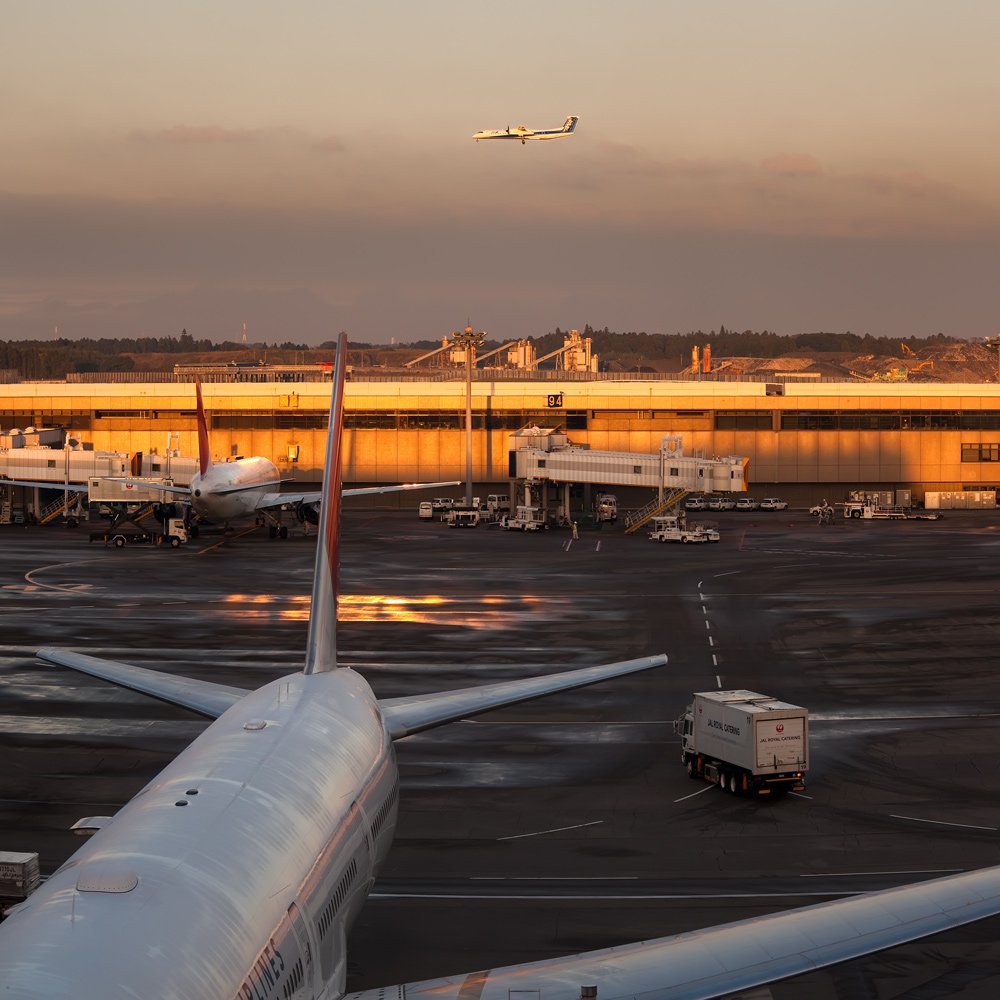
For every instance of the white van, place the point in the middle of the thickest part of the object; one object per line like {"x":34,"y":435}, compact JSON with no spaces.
{"x":426,"y":511}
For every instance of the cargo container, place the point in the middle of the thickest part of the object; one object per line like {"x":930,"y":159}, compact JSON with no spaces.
{"x":19,"y":875}
{"x":747,"y":743}
{"x":960,"y":499}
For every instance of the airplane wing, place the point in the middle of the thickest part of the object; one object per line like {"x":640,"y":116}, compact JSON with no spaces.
{"x":202,"y":697}
{"x":405,"y":716}
{"x":738,"y":956}
{"x":72,"y":487}
{"x":272,"y":500}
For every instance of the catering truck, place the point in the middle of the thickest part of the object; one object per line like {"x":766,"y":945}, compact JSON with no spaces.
{"x":746,"y":743}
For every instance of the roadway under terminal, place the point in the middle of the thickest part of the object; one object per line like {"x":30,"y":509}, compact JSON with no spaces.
{"x":566,"y":823}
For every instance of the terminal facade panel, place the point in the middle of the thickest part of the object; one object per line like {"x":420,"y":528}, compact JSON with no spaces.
{"x":801,"y":437}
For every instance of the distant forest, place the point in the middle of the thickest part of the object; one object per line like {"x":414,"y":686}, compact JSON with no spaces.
{"x":53,"y":359}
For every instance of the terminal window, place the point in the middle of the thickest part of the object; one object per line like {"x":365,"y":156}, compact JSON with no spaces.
{"x":981,"y":452}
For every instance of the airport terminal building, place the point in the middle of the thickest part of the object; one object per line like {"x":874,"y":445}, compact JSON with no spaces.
{"x":803,"y":439}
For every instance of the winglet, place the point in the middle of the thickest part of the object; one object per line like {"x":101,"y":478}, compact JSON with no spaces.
{"x":321,"y":648}
{"x":204,"y":450}
{"x":570,"y":124}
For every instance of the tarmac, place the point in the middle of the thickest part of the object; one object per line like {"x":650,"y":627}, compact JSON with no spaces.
{"x":567,"y":823}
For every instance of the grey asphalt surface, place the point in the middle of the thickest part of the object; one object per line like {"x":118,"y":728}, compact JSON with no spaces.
{"x":567,"y":823}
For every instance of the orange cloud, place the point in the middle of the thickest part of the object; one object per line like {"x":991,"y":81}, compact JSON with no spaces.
{"x":792,"y":165}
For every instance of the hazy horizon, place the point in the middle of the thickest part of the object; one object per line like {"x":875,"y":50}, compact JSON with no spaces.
{"x":772,"y":166}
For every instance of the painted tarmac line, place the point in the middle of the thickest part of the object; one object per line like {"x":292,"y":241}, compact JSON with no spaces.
{"x":558,"y":829}
{"x":701,"y":791}
{"x":942,"y":822}
{"x":711,"y":641}
{"x":905,"y":871}
{"x":231,"y":538}
{"x":553,"y":878}
{"x":731,"y":572}
{"x":615,"y":897}
{"x":718,"y":682}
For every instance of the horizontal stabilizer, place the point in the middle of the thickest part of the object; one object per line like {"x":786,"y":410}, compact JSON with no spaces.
{"x":405,"y":716}
{"x":202,"y":697}
{"x":734,"y":957}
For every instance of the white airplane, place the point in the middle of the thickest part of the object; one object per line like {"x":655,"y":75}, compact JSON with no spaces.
{"x":246,"y":487}
{"x":237,"y":872}
{"x":524,"y":133}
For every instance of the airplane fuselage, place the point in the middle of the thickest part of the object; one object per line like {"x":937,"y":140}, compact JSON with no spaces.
{"x":231,"y":490}
{"x":523,"y":133}
{"x":236,"y":872}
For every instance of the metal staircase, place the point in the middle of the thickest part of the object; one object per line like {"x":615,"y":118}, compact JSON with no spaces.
{"x":51,"y":511}
{"x":637,"y":518}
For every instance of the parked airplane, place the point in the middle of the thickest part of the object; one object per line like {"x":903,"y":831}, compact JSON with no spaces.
{"x":524,"y":133}
{"x":246,"y":487}
{"x":236,"y":873}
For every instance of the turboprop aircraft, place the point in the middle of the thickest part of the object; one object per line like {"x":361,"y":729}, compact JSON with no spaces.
{"x":236,"y":873}
{"x":524,"y":133}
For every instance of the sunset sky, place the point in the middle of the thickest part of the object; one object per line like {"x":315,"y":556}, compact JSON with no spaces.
{"x":792,"y":166}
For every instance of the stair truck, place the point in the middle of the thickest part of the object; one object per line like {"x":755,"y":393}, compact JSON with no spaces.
{"x":747,"y":743}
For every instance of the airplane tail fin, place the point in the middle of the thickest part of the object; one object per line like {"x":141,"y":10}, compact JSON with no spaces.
{"x":321,"y":647}
{"x":570,"y":124}
{"x":204,"y":450}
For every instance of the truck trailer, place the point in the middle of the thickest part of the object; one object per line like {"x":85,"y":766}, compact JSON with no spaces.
{"x":747,"y":743}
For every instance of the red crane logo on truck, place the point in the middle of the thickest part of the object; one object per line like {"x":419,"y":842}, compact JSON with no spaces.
{"x":779,"y":728}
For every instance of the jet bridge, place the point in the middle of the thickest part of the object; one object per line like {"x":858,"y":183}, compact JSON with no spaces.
{"x":546,"y":455}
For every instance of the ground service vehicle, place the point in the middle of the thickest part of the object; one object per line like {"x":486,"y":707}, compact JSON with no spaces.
{"x":606,"y":507}
{"x":174,"y":534}
{"x":671,"y":528}
{"x":870,"y":510}
{"x":747,"y":743}
{"x":462,"y":518}
{"x":695,"y":503}
{"x":747,"y":503}
{"x":721,"y":503}
{"x":524,"y":519}
{"x":497,"y":504}
{"x":425,"y":511}
{"x":773,"y":503}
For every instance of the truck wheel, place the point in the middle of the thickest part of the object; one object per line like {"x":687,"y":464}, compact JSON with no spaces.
{"x":283,"y":531}
{"x":855,"y":513}
{"x":733,"y":787}
{"x":119,"y":542}
{"x":174,"y":541}
{"x":690,"y":768}
{"x":272,"y":531}
{"x":722,"y":780}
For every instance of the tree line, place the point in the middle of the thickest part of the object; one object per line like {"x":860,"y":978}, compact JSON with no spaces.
{"x":53,"y":359}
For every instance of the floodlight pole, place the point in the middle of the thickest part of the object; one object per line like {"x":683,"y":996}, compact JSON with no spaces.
{"x":469,"y":340}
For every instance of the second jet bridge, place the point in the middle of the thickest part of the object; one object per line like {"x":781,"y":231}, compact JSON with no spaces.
{"x":546,"y":454}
